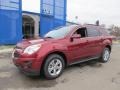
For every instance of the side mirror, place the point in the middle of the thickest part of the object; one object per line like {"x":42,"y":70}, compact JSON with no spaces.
{"x":75,"y":36}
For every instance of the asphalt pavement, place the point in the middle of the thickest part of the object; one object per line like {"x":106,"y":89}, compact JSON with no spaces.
{"x":85,"y":76}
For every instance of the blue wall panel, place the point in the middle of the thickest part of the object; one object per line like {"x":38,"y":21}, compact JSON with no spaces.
{"x":53,"y":14}
{"x":10,"y":21}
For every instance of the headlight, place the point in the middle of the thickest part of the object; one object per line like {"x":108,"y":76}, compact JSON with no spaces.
{"x":32,"y":49}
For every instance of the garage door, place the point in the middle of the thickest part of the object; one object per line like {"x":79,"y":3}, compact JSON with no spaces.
{"x":53,"y":14}
{"x":10,"y":21}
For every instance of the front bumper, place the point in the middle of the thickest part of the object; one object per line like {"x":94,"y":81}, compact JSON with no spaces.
{"x":27,"y":69}
{"x":29,"y":65}
{"x":29,"y":72}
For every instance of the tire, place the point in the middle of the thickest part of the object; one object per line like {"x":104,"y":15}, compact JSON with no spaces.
{"x":53,"y":66}
{"x":105,"y":57}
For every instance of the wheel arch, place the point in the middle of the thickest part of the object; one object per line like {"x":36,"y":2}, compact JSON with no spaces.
{"x":109,"y":47}
{"x":54,"y":52}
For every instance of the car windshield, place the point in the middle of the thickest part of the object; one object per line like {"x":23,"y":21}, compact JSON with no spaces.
{"x":58,"y":33}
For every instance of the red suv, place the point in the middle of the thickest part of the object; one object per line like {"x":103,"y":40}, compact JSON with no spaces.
{"x":62,"y":47}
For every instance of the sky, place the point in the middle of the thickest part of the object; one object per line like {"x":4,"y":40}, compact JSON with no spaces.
{"x":87,"y":11}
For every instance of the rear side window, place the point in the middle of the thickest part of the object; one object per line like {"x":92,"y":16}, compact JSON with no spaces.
{"x":104,"y":32}
{"x":93,"y":32}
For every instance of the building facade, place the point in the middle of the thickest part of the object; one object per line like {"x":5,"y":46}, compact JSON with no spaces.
{"x":30,"y":25}
{"x":16,"y":25}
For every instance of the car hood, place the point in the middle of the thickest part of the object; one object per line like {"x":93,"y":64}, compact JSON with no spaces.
{"x":35,"y":41}
{"x":26,"y":43}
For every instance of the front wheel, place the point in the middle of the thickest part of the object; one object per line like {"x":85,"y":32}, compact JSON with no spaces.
{"x":53,"y":66}
{"x":105,"y":57}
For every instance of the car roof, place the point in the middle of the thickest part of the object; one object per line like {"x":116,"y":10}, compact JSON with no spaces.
{"x":87,"y":26}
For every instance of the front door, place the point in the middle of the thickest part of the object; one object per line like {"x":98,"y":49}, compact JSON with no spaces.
{"x":78,"y":48}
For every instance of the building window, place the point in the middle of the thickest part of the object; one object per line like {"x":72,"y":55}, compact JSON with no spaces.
{"x":28,"y":27}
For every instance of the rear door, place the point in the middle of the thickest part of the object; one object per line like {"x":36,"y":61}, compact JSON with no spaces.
{"x":94,"y":42}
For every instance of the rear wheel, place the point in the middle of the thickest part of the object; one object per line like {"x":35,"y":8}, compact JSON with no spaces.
{"x":105,"y":57}
{"x":53,"y":66}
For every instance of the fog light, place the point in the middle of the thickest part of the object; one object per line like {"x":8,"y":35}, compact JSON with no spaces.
{"x":27,"y":64}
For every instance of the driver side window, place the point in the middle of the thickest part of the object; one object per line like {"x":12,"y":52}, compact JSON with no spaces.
{"x":81,"y":32}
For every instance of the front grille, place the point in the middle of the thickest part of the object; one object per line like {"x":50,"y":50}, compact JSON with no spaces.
{"x":16,"y":54}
